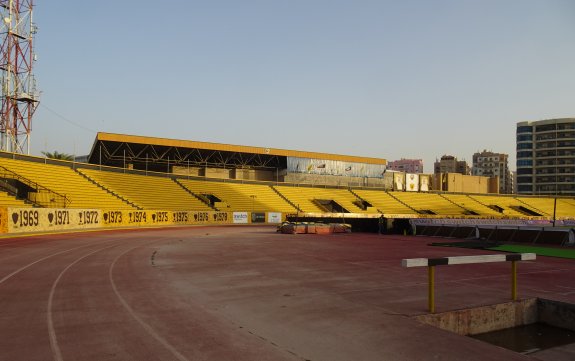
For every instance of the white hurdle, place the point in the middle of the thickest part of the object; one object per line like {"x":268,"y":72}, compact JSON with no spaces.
{"x":430,"y":263}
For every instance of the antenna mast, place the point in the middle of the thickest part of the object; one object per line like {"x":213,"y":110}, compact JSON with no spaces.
{"x":19,"y":96}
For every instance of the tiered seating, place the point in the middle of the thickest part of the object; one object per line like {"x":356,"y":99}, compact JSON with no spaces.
{"x":63,"y":180}
{"x":302,"y":197}
{"x":241,"y":196}
{"x":503,"y":202}
{"x":384,"y":202}
{"x":471,"y":204}
{"x":344,"y":198}
{"x":347,"y":200}
{"x":7,"y":200}
{"x":429,"y":202}
{"x":306,"y":198}
{"x":565,"y":206}
{"x":147,"y":192}
{"x":544,"y":205}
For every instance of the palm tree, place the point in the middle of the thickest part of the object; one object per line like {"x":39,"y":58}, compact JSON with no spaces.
{"x":56,"y":155}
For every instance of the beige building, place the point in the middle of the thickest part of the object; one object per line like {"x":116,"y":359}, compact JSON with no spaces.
{"x":460,"y":183}
{"x":450,"y":164}
{"x":490,"y":164}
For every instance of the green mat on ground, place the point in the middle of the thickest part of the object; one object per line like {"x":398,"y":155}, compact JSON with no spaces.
{"x":540,"y":251}
{"x":465,"y":244}
{"x":568,"y":253}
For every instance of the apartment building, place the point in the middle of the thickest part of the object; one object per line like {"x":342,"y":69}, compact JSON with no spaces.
{"x":490,"y":164}
{"x":450,"y":164}
{"x":406,"y":165}
{"x":546,"y":157}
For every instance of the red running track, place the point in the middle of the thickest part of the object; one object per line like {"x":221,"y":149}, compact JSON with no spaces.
{"x":247,"y":293}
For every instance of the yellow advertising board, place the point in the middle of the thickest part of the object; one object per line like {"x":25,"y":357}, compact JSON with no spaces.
{"x":211,"y":217}
{"x":19,"y":220}
{"x":127,"y":218}
{"x":201,"y":217}
{"x":3,"y":220}
{"x":51,"y":219}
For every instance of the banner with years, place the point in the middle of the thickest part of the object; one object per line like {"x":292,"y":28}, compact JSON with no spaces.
{"x":50,"y":219}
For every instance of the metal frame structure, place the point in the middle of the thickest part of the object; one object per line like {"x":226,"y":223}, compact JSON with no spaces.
{"x":19,"y":96}
{"x":160,"y":154}
{"x":161,"y":157}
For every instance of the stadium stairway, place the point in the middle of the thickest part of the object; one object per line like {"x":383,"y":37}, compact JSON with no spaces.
{"x":287,"y":200}
{"x":201,"y":199}
{"x":17,"y":191}
{"x":430,"y":203}
{"x":147,"y":191}
{"x":565,"y":206}
{"x":7,"y":200}
{"x":324,"y":200}
{"x":108,"y":190}
{"x":365,"y":204}
{"x":384,"y":202}
{"x":471,"y":205}
{"x":465,"y":210}
{"x":232,"y":196}
{"x":534,"y":206}
{"x":505,"y":205}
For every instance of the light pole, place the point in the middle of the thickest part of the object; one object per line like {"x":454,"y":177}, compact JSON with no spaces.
{"x":554,"y":210}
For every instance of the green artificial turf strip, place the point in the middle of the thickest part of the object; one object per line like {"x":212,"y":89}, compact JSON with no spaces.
{"x":540,"y":251}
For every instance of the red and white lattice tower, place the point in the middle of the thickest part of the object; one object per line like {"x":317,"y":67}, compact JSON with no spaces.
{"x":19,"y":96}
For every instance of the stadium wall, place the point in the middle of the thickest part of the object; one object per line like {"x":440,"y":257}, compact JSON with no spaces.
{"x":385,"y":182}
{"x":460,"y":183}
{"x":188,"y":171}
{"x":24,"y":220}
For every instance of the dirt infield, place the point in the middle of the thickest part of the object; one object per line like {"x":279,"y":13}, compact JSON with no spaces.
{"x":247,"y":293}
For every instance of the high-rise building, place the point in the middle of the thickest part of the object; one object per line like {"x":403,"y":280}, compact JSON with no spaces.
{"x":450,"y":164}
{"x":490,"y":164}
{"x":546,"y":157}
{"x":406,"y":165}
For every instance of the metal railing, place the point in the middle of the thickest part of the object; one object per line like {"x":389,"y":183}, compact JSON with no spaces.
{"x":40,"y":195}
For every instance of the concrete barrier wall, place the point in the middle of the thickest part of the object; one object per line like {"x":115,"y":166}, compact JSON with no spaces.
{"x":558,"y":314}
{"x":21,"y":220}
{"x":485,"y":318}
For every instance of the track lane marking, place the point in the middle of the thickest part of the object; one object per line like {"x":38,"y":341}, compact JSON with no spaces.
{"x":132,"y":313}
{"x":56,"y":352}
{"x":43,"y":259}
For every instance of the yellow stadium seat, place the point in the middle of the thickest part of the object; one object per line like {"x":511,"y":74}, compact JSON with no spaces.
{"x":64,"y":181}
{"x":152,"y":191}
{"x":233,"y":196}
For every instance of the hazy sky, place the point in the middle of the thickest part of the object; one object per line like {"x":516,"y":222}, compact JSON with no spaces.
{"x":387,"y":79}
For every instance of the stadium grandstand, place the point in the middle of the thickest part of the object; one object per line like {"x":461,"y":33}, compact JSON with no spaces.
{"x":128,"y":172}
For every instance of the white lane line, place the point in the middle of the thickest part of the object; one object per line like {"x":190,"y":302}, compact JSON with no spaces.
{"x":142,"y":323}
{"x":56,"y":352}
{"x":43,"y":259}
